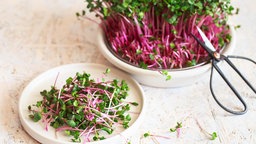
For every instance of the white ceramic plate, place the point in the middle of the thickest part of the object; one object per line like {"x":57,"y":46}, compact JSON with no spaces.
{"x":31,"y":95}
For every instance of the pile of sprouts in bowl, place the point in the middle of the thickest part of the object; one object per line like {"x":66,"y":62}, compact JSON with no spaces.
{"x":156,"y":34}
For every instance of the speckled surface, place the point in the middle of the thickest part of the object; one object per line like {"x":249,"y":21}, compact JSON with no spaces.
{"x":38,"y":35}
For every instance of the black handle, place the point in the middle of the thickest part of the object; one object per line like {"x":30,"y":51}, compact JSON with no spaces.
{"x":238,"y":72}
{"x":214,"y":65}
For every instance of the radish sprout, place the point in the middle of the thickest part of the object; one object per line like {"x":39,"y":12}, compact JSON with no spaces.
{"x":156,"y":34}
{"x":84,"y":108}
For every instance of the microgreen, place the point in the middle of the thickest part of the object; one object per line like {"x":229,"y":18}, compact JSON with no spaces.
{"x":178,"y":126}
{"x":152,"y":137}
{"x":211,"y":136}
{"x":155,"y":34}
{"x":84,"y":107}
{"x":107,"y":71}
{"x":147,"y":134}
{"x":135,"y":103}
{"x":192,"y":62}
{"x":166,"y":74}
{"x":36,"y":116}
{"x":214,"y":136}
{"x":237,"y":26}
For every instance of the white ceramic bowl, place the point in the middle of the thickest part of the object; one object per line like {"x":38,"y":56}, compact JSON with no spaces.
{"x":153,"y":78}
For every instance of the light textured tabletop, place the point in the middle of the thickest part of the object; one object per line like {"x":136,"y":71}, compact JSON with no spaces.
{"x":37,"y":35}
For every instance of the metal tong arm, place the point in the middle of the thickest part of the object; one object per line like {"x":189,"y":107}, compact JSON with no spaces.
{"x":214,"y":65}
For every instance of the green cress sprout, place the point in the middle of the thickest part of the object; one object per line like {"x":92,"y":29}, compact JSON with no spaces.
{"x":179,"y":125}
{"x":166,"y":74}
{"x":177,"y":128}
{"x":83,"y":107}
{"x":147,"y":134}
{"x":156,"y":34}
{"x":214,"y":136}
{"x":153,"y":137}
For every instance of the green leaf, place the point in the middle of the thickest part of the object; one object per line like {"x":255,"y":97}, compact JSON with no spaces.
{"x":77,"y":140}
{"x":143,"y":65}
{"x":108,"y":130}
{"x":38,"y":103}
{"x":173,"y":20}
{"x":172,"y":45}
{"x":191,"y":2}
{"x":128,"y":117}
{"x":105,"y":12}
{"x":29,"y":108}
{"x":75,"y":103}
{"x":191,"y":63}
{"x":125,"y":125}
{"x":141,"y":15}
{"x":78,"y":14}
{"x":55,"y":125}
{"x":146,"y":134}
{"x":69,"y":80}
{"x":37,"y":116}
{"x":214,"y":136}
{"x":138,"y":51}
{"x":121,"y":114}
{"x":237,"y":26}
{"x":78,"y":117}
{"x":71,"y":123}
{"x":83,"y":12}
{"x":160,"y":46}
{"x":199,"y":5}
{"x":107,"y":71}
{"x":67,"y":132}
{"x":95,"y":138}
{"x":135,"y":103}
{"x":166,"y":74}
{"x":102,"y":105}
{"x":179,"y":125}
{"x":172,"y":129}
{"x":221,"y":42}
{"x":168,"y":77}
{"x":228,"y":37}
{"x":127,"y":107}
{"x":237,"y":10}
{"x":151,"y":56}
{"x":174,"y":31}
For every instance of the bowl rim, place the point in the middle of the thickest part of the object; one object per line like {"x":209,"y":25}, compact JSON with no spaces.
{"x":110,"y":56}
